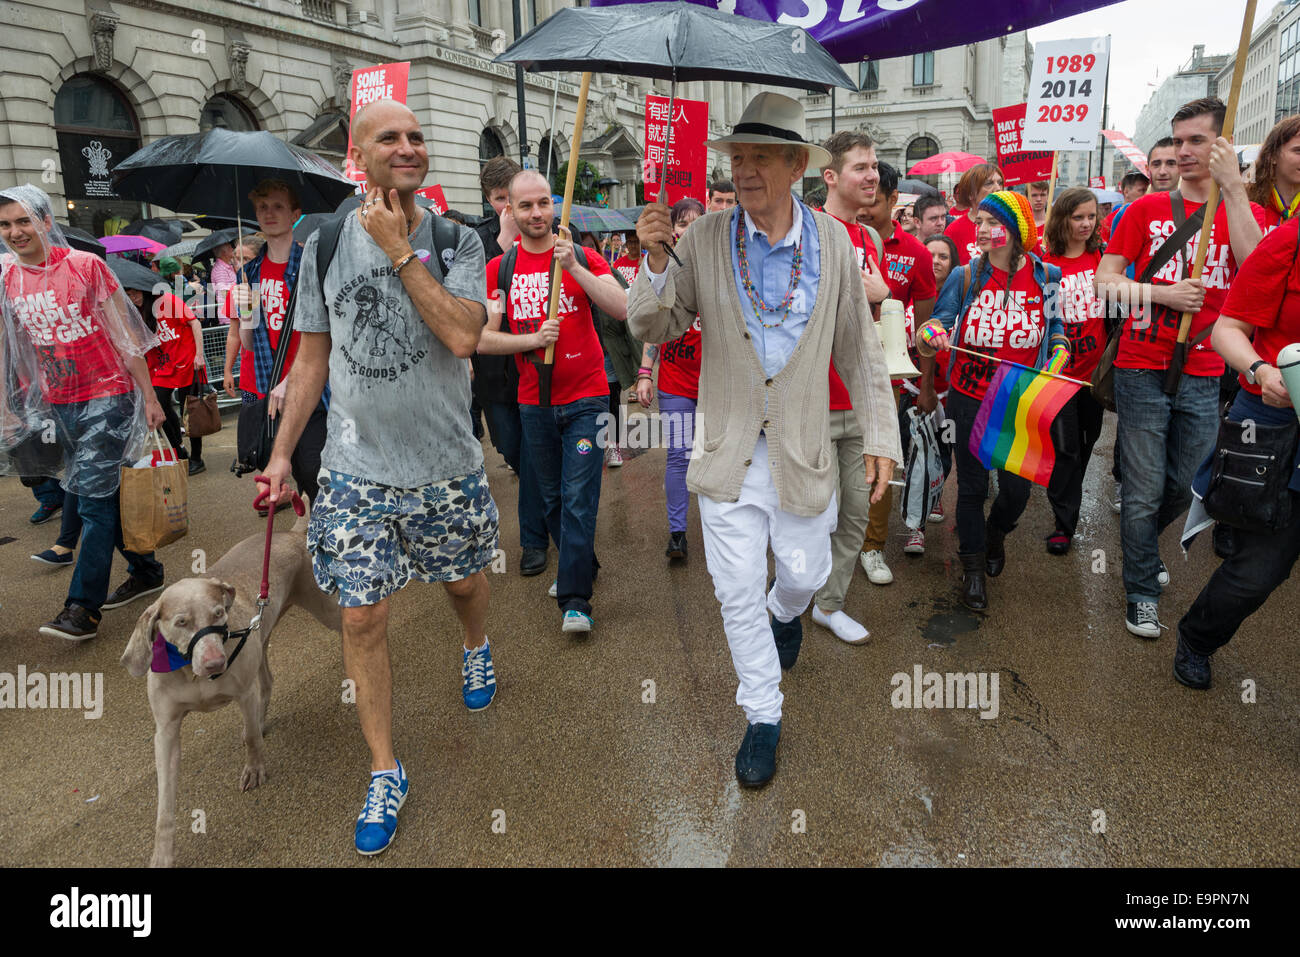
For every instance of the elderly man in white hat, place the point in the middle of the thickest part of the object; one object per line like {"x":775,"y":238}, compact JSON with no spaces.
{"x":779,"y":293}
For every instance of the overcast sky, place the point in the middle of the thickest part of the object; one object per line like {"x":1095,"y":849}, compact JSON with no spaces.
{"x":1153,"y":35}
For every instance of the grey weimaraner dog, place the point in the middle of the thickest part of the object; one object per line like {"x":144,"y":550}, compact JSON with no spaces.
{"x":227,"y":596}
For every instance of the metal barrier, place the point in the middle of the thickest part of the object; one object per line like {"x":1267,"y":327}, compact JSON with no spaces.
{"x":214,"y":355}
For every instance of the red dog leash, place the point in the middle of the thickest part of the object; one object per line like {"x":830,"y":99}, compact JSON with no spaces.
{"x":262,"y":499}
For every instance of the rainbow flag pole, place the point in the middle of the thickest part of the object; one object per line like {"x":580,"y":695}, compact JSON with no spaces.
{"x":1012,"y":430}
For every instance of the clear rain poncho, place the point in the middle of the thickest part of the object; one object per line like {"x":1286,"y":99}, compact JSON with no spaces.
{"x":69,"y":407}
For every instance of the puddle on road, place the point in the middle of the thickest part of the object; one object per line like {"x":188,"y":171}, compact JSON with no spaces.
{"x":949,"y":620}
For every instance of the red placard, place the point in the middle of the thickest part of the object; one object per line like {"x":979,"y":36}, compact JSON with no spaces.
{"x":1097,"y":182}
{"x":387,"y":81}
{"x":1018,"y":166}
{"x":1128,"y":149}
{"x":688,"y":158}
{"x":434,"y":193}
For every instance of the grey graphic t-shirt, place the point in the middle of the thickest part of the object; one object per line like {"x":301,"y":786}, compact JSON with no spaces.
{"x":399,"y":399}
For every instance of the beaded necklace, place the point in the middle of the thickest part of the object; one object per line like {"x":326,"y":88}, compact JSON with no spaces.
{"x":755,"y":299}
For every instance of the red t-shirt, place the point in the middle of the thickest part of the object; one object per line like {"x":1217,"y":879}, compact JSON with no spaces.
{"x":962,"y":232}
{"x":57,"y":305}
{"x":579,"y":371}
{"x":1083,"y":314}
{"x":1266,"y":294}
{"x":171,"y":365}
{"x":866,"y":250}
{"x":1008,"y":325}
{"x":1148,"y":342}
{"x":627,"y":267}
{"x":679,"y":364}
{"x":275,"y":300}
{"x":1272,"y":219}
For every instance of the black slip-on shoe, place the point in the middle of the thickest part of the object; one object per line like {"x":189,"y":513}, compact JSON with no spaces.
{"x":756,"y":759}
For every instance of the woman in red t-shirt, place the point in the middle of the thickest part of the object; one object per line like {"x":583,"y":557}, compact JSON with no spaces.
{"x":679,"y":388}
{"x":175,"y":364}
{"x":975,"y":184}
{"x":1260,"y":316}
{"x":1073,"y":241}
{"x":1003,"y":316}
{"x":1277,"y":174}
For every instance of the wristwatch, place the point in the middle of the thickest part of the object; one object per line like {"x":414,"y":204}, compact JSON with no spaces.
{"x":1250,"y":373}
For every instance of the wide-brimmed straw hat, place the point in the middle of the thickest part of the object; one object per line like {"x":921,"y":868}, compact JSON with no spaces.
{"x":773,"y":118}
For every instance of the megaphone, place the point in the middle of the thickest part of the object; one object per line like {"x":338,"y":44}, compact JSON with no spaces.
{"x":893,"y":339}
{"x":1288,"y":362}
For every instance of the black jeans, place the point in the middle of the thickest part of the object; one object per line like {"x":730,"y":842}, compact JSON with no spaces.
{"x":973,"y":483}
{"x":1074,"y":433}
{"x":172,"y":425}
{"x":1257,"y":565}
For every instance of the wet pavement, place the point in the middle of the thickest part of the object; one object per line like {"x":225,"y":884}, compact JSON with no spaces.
{"x":617,"y":749}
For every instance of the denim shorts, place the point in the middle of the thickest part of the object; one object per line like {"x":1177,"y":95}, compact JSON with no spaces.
{"x":368,"y":541}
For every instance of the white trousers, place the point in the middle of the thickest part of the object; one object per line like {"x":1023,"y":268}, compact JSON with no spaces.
{"x":736,"y":539}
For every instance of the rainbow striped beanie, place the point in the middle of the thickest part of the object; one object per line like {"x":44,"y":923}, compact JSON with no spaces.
{"x":1013,"y":211}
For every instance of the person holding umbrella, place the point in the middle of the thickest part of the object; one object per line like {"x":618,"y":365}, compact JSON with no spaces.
{"x":403,"y":494}
{"x":778,"y":291}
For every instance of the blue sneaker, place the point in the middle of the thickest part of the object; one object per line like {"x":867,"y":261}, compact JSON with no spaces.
{"x":480,"y":684}
{"x":575,"y":620}
{"x":44,"y":513}
{"x":377,"y":822}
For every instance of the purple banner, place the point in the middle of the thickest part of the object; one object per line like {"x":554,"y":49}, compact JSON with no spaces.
{"x":853,"y":30}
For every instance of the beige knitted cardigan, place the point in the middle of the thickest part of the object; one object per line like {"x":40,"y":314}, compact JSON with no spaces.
{"x":737,"y":399}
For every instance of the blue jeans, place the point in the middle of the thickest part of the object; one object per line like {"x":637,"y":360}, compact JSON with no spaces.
{"x":101,"y":532}
{"x":1162,"y":441}
{"x":568,"y":461}
{"x":49,"y":493}
{"x":503,"y":417}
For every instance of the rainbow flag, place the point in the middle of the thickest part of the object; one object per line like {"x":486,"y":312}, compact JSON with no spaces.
{"x":1012,"y":430}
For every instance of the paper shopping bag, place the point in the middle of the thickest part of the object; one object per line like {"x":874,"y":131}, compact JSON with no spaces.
{"x":155,"y":501}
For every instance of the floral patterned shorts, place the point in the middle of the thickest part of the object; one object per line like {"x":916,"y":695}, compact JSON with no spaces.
{"x":367,"y":540}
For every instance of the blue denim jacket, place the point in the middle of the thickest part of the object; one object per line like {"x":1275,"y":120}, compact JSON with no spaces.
{"x":950,"y":309}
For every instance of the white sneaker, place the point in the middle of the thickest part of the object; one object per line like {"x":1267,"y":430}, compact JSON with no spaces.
{"x":554,"y":590}
{"x":915,"y":543}
{"x":873,"y":563}
{"x":1117,"y":505}
{"x":1162,"y":576}
{"x":844,"y":627}
{"x":613,"y":457}
{"x":936,"y":513}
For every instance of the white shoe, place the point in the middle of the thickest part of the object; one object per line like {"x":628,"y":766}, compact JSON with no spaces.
{"x":1162,"y":576}
{"x":1117,"y":505}
{"x":613,"y":457}
{"x":936,"y":513}
{"x":554,"y":590}
{"x":915,"y":543}
{"x":844,"y":627}
{"x":873,"y":563}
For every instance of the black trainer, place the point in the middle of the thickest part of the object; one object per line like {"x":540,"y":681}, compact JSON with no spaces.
{"x":196,"y":466}
{"x":676,"y":545}
{"x":533,"y":562}
{"x":1191,"y":668}
{"x":756,"y":759}
{"x":789,"y":638}
{"x":130,"y":590}
{"x":74,"y":623}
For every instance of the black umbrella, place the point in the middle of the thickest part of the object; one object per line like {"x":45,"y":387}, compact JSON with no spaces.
{"x":916,"y":186}
{"x":669,"y":41}
{"x":208,"y":244}
{"x":133,"y":275}
{"x":80,"y":239}
{"x":225,"y":222}
{"x":165,"y":231}
{"x":677,"y":41}
{"x":213,"y":172}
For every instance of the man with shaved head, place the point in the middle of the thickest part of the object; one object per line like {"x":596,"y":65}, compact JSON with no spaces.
{"x":403,"y":495}
{"x":564,"y":436}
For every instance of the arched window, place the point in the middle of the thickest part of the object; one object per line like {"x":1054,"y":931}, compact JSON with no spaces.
{"x":96,"y":128}
{"x":489,"y":145}
{"x":224,"y":112}
{"x":917,"y":150}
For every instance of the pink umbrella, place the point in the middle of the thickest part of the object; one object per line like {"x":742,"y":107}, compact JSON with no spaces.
{"x":123,"y":244}
{"x":956,"y":162}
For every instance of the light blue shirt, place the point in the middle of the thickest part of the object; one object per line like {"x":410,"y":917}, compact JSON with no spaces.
{"x":769,"y":270}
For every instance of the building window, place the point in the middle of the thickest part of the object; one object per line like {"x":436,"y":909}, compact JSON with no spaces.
{"x":96,"y":129}
{"x":224,"y":112}
{"x":917,"y":150}
{"x":530,"y":15}
{"x":923,"y":69}
{"x":869,"y":75}
{"x":476,"y":12}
